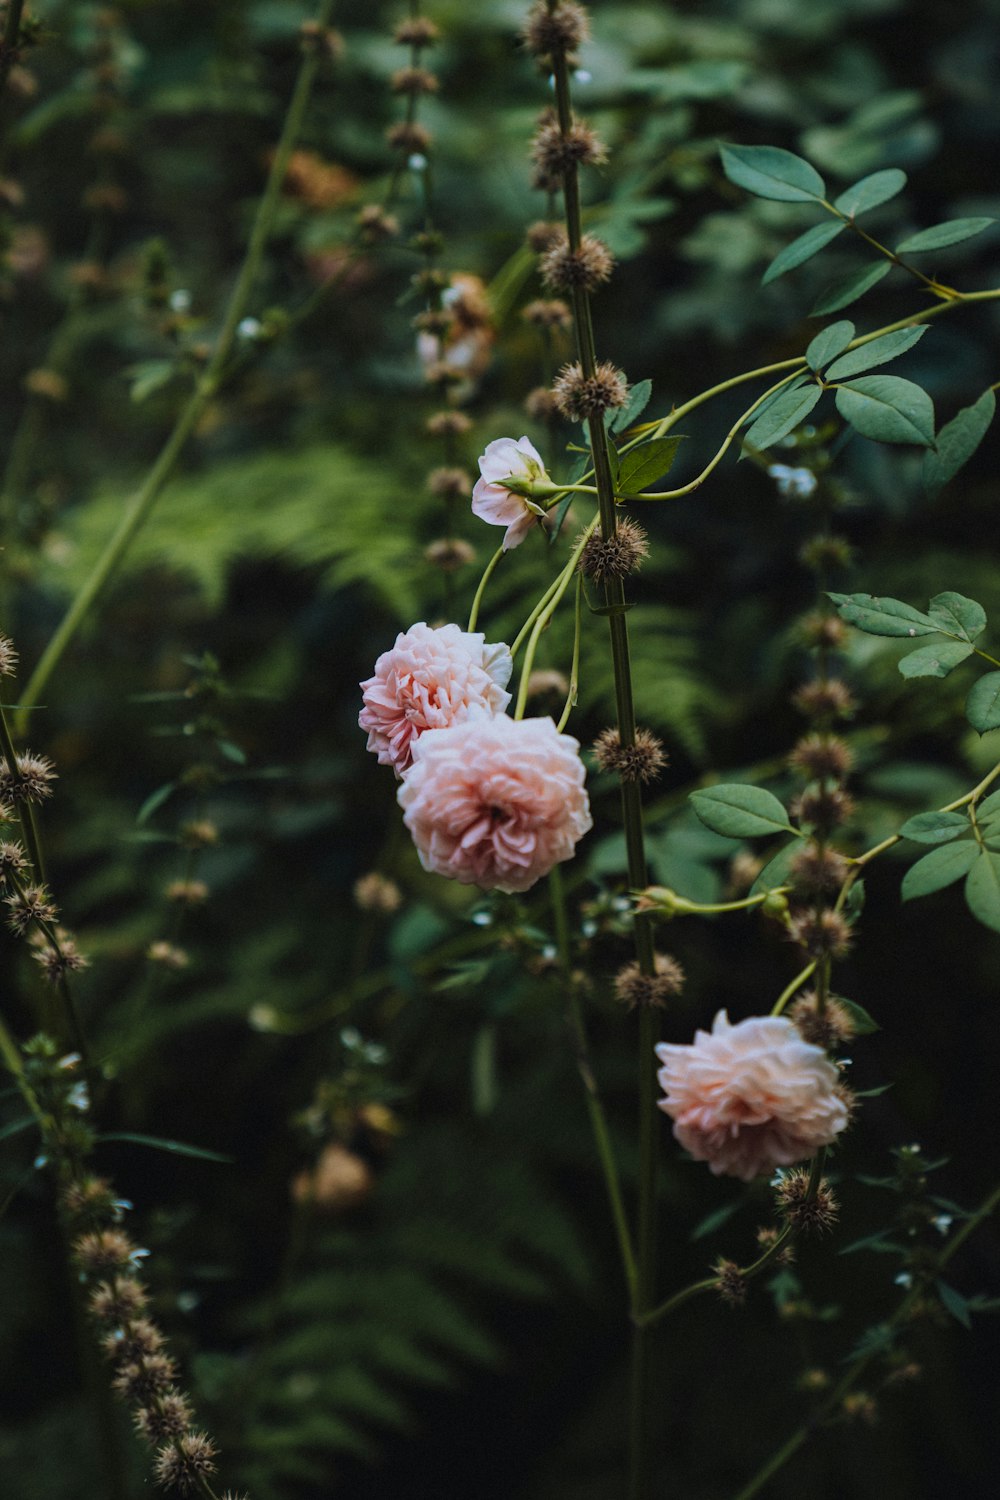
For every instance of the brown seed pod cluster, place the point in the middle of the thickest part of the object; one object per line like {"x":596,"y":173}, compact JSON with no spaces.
{"x":641,"y":761}
{"x":616,"y":556}
{"x":580,"y":397}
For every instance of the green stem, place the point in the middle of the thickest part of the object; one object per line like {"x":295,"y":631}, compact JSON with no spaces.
{"x":545,"y":615}
{"x":481,"y":590}
{"x":206,"y":388}
{"x":11,"y":36}
{"x":574,"y":674}
{"x":790,"y":989}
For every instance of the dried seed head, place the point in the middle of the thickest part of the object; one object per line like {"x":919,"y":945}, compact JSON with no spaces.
{"x":142,"y":1381}
{"x":824,"y":630}
{"x":374,"y":892}
{"x":588,"y":267}
{"x":449,"y":484}
{"x":165,"y":1422}
{"x":448,"y":424}
{"x":106,"y":1250}
{"x":187,"y":892}
{"x":56,"y":963}
{"x":541,"y":404}
{"x":825,"y":699}
{"x":547,"y":683}
{"x":13,"y":860}
{"x":375,"y":224}
{"x":117,"y":1301}
{"x":414,"y":81}
{"x":182,"y":1465}
{"x":826,"y":1028}
{"x":816,"y":869}
{"x":544,"y":234}
{"x":580,"y":396}
{"x":826,"y":551}
{"x":441,"y":374}
{"x":618,"y":556}
{"x":449,"y":554}
{"x":89,"y":1200}
{"x":550,"y":31}
{"x":408,"y":136}
{"x":31,"y":783}
{"x":633,"y":989}
{"x":641,"y":761}
{"x":743,"y":871}
{"x":8,"y":657}
{"x":417,"y":31}
{"x":823,"y":807}
{"x":323,"y":39}
{"x":200,"y":833}
{"x":338,"y":1181}
{"x":548,"y":312}
{"x":814,"y":1215}
{"x":821,"y":932}
{"x":819,"y":756}
{"x":859,"y":1406}
{"x":167,"y":954}
{"x":437,"y":320}
{"x":555,"y":153}
{"x":29,"y":906}
{"x":48,"y":384}
{"x":132,"y":1342}
{"x":731,"y":1283}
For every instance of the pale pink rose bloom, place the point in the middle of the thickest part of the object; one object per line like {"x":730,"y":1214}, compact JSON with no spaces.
{"x":750,"y":1097}
{"x":506,"y":458}
{"x":496,"y":802}
{"x":431,"y":679}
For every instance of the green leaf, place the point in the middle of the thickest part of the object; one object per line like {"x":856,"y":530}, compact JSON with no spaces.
{"x":877,"y":352}
{"x":641,"y":466}
{"x":877,"y":188}
{"x":943,"y":234}
{"x":828,"y":343}
{"x":935,"y":661}
{"x":154,"y":800}
{"x":635,"y":405}
{"x":958,"y":615}
{"x":879,"y":616}
{"x":855,"y":903}
{"x":771,"y":172}
{"x":989,"y":807}
{"x":777,"y":870}
{"x":954,"y":1303}
{"x":935,"y":827}
{"x":16,"y":1126}
{"x":957,"y":441}
{"x":802,"y":249}
{"x":232,"y":752}
{"x":740,"y":812}
{"x":715,"y":1220}
{"x":864,"y":1024}
{"x":938,"y":869}
{"x":888,"y":409}
{"x":982,"y":706}
{"x":982,"y":890}
{"x":150,"y":376}
{"x":175,"y":1148}
{"x":791,"y":408}
{"x":842,"y":293}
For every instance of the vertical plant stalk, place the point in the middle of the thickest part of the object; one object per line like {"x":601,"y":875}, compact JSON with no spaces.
{"x":10,"y":39}
{"x":614,"y":592}
{"x":208,"y":384}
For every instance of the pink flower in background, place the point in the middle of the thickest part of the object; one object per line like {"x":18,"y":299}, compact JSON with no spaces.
{"x":751,"y":1097}
{"x":496,"y":802}
{"x":430,"y":679}
{"x":492,"y":501}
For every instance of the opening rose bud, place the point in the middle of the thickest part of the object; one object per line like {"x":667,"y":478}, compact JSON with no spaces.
{"x":510,"y":470}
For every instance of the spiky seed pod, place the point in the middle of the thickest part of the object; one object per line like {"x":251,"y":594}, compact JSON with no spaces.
{"x":132,"y":1342}
{"x":449,"y":483}
{"x":548,"y":312}
{"x":547,"y":683}
{"x":641,"y":761}
{"x":375,"y":224}
{"x":13,"y":860}
{"x":824,"y":630}
{"x":167,"y":954}
{"x":815,"y":869}
{"x":541,"y":405}
{"x":449,"y":554}
{"x":317,"y":38}
{"x":555,"y":153}
{"x":117,"y":1301}
{"x":31,"y":782}
{"x":821,"y":932}
{"x":826,"y":551}
{"x":588,"y":267}
{"x":56,"y":963}
{"x":165,"y":1422}
{"x":187,"y":892}
{"x":617,"y":556}
{"x":636,"y":990}
{"x":731,"y":1283}
{"x":441,"y":375}
{"x":29,"y":906}
{"x":743,"y":871}
{"x":448,"y":424}
{"x":819,"y":756}
{"x":375,"y":892}
{"x":824,"y":808}
{"x":825,"y":699}
{"x":580,"y":396}
{"x":826,"y":1028}
{"x":436,"y":320}
{"x":200,"y":833}
{"x":181,"y":1465}
{"x":143,"y":1381}
{"x":88,"y":1200}
{"x":102,"y":1251}
{"x":860,"y":1406}
{"x":548,"y":32}
{"x":409,"y":136}
{"x":414,"y":81}
{"x":417,"y":31}
{"x":8,"y":657}
{"x":544,"y":234}
{"x":814,"y":1215}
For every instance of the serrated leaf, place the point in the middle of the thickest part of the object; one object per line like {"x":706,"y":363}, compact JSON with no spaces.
{"x":950,"y":233}
{"x":740,"y":812}
{"x":880,"y":616}
{"x":877,"y":352}
{"x":957,"y":441}
{"x":777,"y":870}
{"x":940,"y":868}
{"x":935,"y":661}
{"x":771,"y":172}
{"x":154,"y":800}
{"x":802,"y":249}
{"x":982,"y":706}
{"x":982,"y":889}
{"x":782,"y":416}
{"x":175,"y":1148}
{"x":864,"y":1024}
{"x":849,"y":288}
{"x":635,"y":404}
{"x":888,"y":409}
{"x":872,"y":190}
{"x":828,"y":343}
{"x":958,"y":615}
{"x":935,"y":827}
{"x":954,"y":1303}
{"x":642,"y":466}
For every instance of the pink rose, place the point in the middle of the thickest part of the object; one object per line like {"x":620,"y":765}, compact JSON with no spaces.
{"x":492,"y":501}
{"x":750,"y":1097}
{"x":430,"y":679}
{"x":496,"y":802}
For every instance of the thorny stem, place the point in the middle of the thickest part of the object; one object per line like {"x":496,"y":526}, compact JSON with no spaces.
{"x":614,"y":591}
{"x":208,"y":385}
